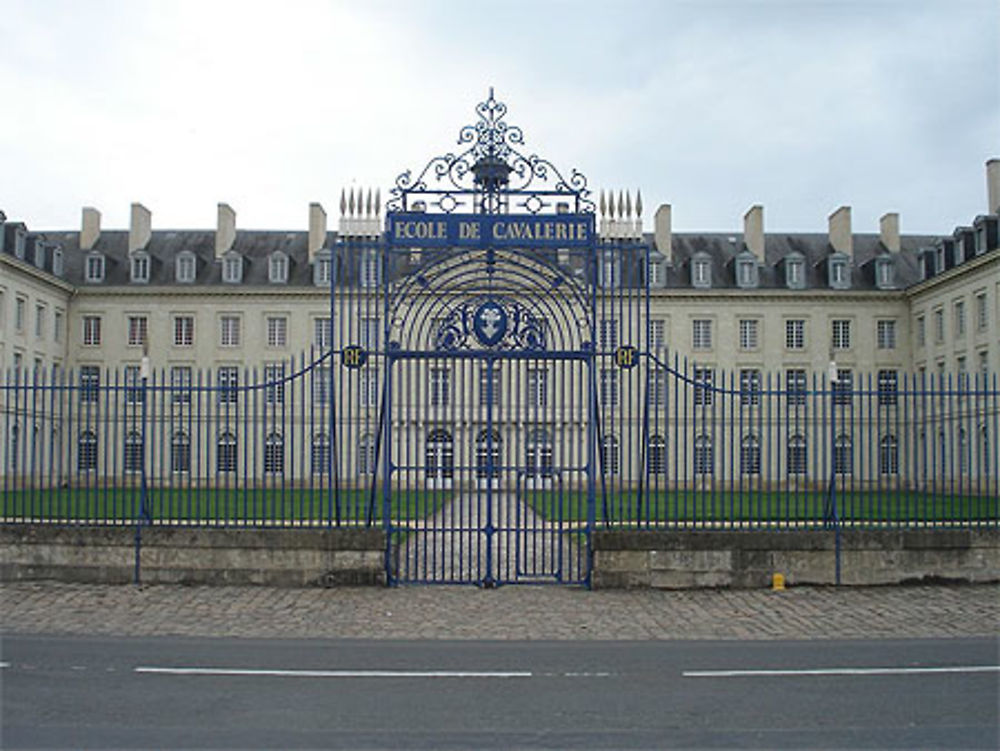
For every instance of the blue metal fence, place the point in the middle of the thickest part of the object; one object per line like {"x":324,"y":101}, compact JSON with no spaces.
{"x":677,"y":446}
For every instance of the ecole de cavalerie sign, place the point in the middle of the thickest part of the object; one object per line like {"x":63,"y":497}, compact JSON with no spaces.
{"x":485,"y":230}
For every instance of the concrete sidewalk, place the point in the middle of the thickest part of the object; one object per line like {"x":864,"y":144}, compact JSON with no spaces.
{"x":506,"y":613}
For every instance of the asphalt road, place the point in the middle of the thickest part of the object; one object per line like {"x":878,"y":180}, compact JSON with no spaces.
{"x":170,"y":692}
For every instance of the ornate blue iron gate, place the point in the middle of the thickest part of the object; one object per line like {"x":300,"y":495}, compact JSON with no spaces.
{"x":471,"y":328}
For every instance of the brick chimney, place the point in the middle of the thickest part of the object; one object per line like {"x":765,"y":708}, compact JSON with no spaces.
{"x":840,"y":231}
{"x":662,"y":232}
{"x":888,"y":230}
{"x":225,"y":232}
{"x":753,"y":231}
{"x":90,"y":228}
{"x":317,"y":229}
{"x":140,"y":228}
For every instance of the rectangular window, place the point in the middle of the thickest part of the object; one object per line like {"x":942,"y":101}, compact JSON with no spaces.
{"x":368,"y":334}
{"x":185,"y":268}
{"x":180,"y":384}
{"x":321,"y":386}
{"x":984,"y":369}
{"x":538,"y":387}
{"x":57,"y":326}
{"x":137,"y":330}
{"x":748,"y":333}
{"x":140,"y":268}
{"x":885,"y":334}
{"x":486,"y":396}
{"x":229,"y":331}
{"x":657,"y":388}
{"x":982,"y":313}
{"x":91,"y":331}
{"x":921,"y":331}
{"x":750,"y":387}
{"x":704,"y":379}
{"x":95,"y":268}
{"x":183,"y":331}
{"x":795,"y":334}
{"x":39,"y":321}
{"x":440,"y":387}
{"x":277,"y":331}
{"x":959,"y":318}
{"x":608,"y":335}
{"x":939,"y":326}
{"x":843,"y":387}
{"x":701,"y":333}
{"x":369,"y":268}
{"x":369,"y":387}
{"x":888,"y":387}
{"x":795,"y":386}
{"x":20,"y":306}
{"x":840,"y":333}
{"x":657,"y":334}
{"x":322,"y":334}
{"x":90,"y":384}
{"x":274,"y":379}
{"x":229,"y":381}
{"x":609,"y":387}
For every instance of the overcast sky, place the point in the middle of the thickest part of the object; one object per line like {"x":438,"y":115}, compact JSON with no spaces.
{"x":709,"y":106}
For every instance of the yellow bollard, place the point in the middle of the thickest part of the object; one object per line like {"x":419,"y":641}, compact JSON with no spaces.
{"x":778,"y":582}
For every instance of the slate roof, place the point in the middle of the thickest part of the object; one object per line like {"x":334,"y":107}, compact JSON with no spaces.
{"x":255,"y":246}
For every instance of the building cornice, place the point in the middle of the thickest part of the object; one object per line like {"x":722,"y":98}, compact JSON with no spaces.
{"x":37,"y":274}
{"x":954,"y":274}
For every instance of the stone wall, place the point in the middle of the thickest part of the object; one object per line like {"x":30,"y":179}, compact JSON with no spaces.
{"x":272,"y":557}
{"x":693,"y":559}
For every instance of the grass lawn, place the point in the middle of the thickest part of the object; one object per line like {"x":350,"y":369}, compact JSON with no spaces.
{"x":276,"y":505}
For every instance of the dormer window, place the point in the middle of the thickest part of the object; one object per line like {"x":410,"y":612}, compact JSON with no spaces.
{"x":701,"y":271}
{"x":939,"y":259}
{"x":94,"y":268}
{"x":58,"y":266}
{"x":277,"y":268}
{"x":19,"y":240}
{"x":795,"y":271}
{"x":185,"y":267}
{"x":232,"y":268}
{"x":321,"y":269}
{"x":139,"y":267}
{"x":885,"y":273}
{"x":656,"y":270}
{"x":39,"y":255}
{"x":746,"y":270}
{"x":609,"y":270}
{"x":839,"y":273}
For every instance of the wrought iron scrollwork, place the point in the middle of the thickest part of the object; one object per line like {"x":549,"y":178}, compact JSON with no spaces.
{"x":489,"y":173}
{"x":525,"y":331}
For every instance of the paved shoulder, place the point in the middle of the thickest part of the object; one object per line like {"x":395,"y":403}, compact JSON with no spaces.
{"x":505,"y":613}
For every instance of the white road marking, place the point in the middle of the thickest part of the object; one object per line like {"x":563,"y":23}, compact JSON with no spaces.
{"x":335,"y":673}
{"x":839,"y":671}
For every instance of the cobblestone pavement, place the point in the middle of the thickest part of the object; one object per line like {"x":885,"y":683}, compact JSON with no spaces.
{"x":505,"y":613}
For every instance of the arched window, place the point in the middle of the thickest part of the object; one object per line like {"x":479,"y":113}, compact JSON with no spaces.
{"x":180,"y":452}
{"x":319,"y":456}
{"x":657,"y":460}
{"x":538,"y":453}
{"x":704,"y":455}
{"x":610,"y":457}
{"x":225,"y":458}
{"x":750,"y":455}
{"x":274,"y":454}
{"x":366,"y":455}
{"x":133,"y":452}
{"x":797,"y":455}
{"x":843,"y":455}
{"x":86,"y":454}
{"x":888,"y":455}
{"x":440,"y":455}
{"x":487,"y":454}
